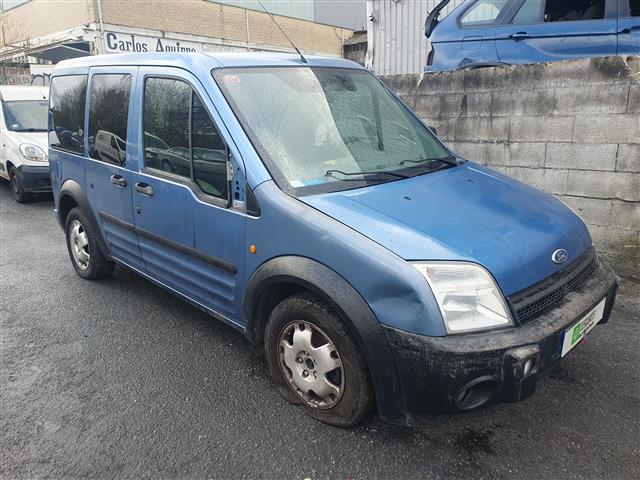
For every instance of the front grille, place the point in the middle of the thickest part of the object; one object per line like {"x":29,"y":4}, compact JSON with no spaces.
{"x":535,"y":300}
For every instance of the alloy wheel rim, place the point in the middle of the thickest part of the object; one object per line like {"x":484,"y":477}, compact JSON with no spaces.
{"x":79,"y":245}
{"x":311,"y":364}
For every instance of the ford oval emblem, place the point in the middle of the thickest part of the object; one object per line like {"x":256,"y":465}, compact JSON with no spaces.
{"x":559,"y":256}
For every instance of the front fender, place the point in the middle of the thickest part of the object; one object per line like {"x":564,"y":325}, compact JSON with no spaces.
{"x":304,"y":273}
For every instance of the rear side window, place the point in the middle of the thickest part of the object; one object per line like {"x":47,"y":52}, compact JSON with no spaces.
{"x":530,"y":12}
{"x":634,"y":8}
{"x":108,"y":114}
{"x":573,"y":10}
{"x":180,"y":138}
{"x":67,"y":103}
{"x":483,"y":12}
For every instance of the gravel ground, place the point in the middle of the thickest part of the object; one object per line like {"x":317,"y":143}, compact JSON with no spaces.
{"x":119,"y":378}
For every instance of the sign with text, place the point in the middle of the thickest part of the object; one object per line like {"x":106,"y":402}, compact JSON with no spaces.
{"x":126,"y":42}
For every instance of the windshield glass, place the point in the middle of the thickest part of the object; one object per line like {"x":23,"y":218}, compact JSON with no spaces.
{"x":26,"y":115}
{"x":328,"y":129}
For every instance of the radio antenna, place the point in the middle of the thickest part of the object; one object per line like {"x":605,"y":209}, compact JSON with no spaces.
{"x":304,"y":60}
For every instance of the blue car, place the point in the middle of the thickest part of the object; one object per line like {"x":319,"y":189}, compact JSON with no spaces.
{"x":301,"y":202}
{"x":480,"y":33}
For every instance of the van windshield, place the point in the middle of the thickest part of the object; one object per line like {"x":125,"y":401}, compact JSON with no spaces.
{"x":328,"y":129}
{"x":26,"y":115}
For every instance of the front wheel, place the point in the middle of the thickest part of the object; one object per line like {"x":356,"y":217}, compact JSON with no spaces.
{"x":82,"y":244}
{"x":315,"y":362}
{"x":16,"y":187}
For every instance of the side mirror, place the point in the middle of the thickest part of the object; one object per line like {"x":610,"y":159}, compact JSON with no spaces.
{"x":433,"y":130}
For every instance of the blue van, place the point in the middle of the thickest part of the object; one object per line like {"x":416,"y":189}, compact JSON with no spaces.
{"x":481,"y":33}
{"x":301,"y":202}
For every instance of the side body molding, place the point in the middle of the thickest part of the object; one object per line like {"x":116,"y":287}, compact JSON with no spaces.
{"x":303,"y":273}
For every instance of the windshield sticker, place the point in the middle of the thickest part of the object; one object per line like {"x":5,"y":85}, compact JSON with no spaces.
{"x":307,"y":182}
{"x":233,"y":79}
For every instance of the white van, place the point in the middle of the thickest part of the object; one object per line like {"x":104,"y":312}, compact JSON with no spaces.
{"x":23,"y":139}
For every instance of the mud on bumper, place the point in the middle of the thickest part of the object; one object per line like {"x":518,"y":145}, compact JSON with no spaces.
{"x":464,"y":372}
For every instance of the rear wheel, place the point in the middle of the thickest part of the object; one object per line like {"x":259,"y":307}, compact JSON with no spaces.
{"x":16,"y":187}
{"x":315,"y":362}
{"x":82,"y":244}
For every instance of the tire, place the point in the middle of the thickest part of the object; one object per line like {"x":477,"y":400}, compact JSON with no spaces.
{"x":16,"y":187}
{"x":81,"y":237}
{"x":302,"y":312}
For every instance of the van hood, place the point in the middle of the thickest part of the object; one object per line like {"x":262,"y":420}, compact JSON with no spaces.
{"x":38,"y":139}
{"x":468,"y":213}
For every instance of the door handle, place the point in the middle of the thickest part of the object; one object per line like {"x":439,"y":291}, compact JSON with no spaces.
{"x":630,"y":29}
{"x":144,"y":189}
{"x":118,"y":180}
{"x":519,"y":36}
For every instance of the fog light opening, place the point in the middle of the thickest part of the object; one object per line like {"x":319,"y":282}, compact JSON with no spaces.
{"x":529,"y":366}
{"x":476,"y":393}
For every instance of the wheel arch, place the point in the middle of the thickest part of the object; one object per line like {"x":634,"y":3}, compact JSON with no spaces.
{"x":67,"y":203}
{"x":283,"y":276}
{"x":71,"y":195}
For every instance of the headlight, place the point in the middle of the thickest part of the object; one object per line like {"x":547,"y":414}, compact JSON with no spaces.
{"x":33,"y":153}
{"x":467,"y":295}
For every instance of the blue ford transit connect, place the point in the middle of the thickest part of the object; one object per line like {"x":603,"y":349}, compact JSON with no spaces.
{"x":302,"y":203}
{"x":492,"y":32}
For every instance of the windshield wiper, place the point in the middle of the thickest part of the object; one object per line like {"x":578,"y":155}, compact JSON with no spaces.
{"x":451,"y":160}
{"x":31,"y":129}
{"x":330,"y":173}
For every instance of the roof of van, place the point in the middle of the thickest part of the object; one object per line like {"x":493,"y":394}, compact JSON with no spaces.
{"x":23,"y":92}
{"x":197,"y":61}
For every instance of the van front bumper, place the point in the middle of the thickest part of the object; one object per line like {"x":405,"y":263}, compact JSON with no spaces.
{"x":34,"y":178}
{"x":464,"y":372}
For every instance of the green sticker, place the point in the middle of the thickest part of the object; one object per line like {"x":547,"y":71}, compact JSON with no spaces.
{"x":577,"y":333}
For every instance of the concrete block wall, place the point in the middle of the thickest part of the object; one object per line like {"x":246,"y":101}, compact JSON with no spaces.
{"x":569,"y":128}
